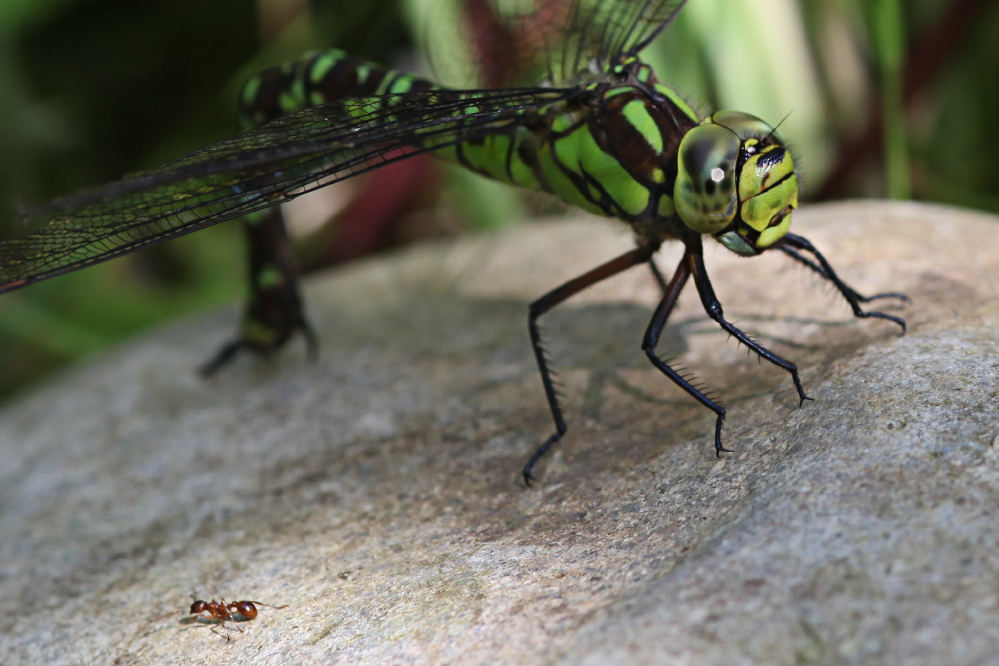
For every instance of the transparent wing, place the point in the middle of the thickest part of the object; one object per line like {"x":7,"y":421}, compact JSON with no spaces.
{"x":557,"y":41}
{"x":601,"y":31}
{"x":266,"y":166}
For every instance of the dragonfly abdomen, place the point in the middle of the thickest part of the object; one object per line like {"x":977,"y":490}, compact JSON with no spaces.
{"x":331,"y":75}
{"x":612,"y":151}
{"x":322,"y":76}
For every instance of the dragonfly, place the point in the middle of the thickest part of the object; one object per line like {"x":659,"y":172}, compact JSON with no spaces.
{"x":597,"y":129}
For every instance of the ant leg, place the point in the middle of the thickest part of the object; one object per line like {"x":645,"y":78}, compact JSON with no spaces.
{"x":790,"y":243}
{"x":714,"y":310}
{"x":226,"y":629}
{"x":214,"y":631}
{"x":546,"y":303}
{"x":227,"y":615}
{"x":651,"y":341}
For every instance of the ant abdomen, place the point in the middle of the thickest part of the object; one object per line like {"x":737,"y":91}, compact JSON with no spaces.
{"x":244,"y":608}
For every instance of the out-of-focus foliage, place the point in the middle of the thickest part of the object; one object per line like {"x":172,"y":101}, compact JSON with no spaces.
{"x":91,"y":89}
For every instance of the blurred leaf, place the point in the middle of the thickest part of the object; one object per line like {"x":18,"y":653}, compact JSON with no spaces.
{"x":770,"y":77}
{"x":19,"y":14}
{"x":888,"y":31}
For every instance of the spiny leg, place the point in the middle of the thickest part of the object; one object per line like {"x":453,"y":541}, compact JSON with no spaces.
{"x":794,"y":254}
{"x":273,"y":313}
{"x":714,"y":309}
{"x":654,"y":332}
{"x":790,"y":243}
{"x":546,"y":303}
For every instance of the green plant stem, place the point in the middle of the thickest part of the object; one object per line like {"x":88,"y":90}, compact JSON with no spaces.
{"x":889,"y":39}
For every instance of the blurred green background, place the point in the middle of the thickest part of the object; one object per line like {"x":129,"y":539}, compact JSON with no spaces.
{"x":879,"y":98}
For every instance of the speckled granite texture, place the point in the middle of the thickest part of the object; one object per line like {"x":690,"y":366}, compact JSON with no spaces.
{"x":376,"y":491}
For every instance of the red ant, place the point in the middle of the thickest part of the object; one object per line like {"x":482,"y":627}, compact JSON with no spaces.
{"x":234,"y":611}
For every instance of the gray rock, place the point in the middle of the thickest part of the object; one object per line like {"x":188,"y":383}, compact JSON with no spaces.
{"x":376,"y":491}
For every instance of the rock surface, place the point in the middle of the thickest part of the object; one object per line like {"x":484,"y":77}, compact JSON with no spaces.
{"x":376,"y":491}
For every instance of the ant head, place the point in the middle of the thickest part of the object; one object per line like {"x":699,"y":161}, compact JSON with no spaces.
{"x":199,"y":606}
{"x":245,"y":608}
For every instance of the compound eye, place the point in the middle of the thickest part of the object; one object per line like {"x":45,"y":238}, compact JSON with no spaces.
{"x":705,"y":192}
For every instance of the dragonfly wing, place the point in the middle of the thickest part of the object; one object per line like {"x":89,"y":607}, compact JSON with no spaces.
{"x":266,"y":166}
{"x":602,"y":31}
{"x":557,"y":40}
{"x":644,"y":22}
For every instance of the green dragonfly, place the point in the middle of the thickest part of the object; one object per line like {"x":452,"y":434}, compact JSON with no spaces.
{"x":598,"y":130}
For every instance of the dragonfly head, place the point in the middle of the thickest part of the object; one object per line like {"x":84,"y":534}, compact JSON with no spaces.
{"x":736,"y":181}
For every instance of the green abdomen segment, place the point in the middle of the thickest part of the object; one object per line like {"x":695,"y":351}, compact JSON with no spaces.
{"x":621,"y":157}
{"x":612,"y":153}
{"x":323,"y":76}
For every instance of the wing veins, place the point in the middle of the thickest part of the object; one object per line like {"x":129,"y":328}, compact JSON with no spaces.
{"x":77,"y":235}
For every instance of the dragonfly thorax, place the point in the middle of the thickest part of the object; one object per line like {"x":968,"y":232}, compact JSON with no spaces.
{"x":736,"y":181}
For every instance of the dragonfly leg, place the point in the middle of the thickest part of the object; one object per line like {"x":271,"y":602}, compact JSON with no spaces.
{"x":274,"y":312}
{"x":651,"y":340}
{"x":660,"y":280}
{"x":791,"y":244}
{"x":714,"y":310}
{"x":546,"y":303}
